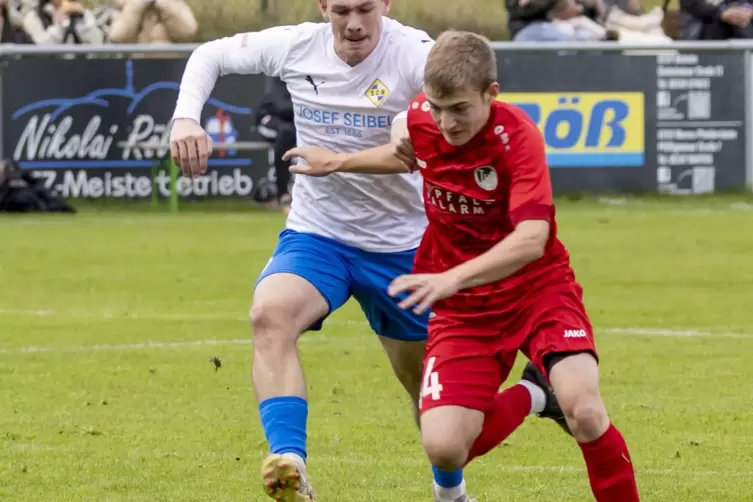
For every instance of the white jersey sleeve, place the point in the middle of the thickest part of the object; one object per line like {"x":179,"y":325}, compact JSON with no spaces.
{"x":245,"y":53}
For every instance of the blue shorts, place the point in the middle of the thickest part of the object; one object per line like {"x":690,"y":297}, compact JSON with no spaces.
{"x":340,"y":271}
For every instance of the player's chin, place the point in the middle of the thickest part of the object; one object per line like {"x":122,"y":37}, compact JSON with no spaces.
{"x":359,"y":46}
{"x":457,"y":138}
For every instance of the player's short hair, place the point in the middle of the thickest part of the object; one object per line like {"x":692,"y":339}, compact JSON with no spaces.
{"x":460,"y":58}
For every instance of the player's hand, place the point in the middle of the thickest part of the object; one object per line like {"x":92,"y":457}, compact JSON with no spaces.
{"x":318,"y":162}
{"x":190,"y":147}
{"x":404,"y":152}
{"x":424,"y":289}
{"x":737,"y":16}
{"x":71,"y":8}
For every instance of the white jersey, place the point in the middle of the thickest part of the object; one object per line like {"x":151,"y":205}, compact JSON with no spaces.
{"x":337,"y":107}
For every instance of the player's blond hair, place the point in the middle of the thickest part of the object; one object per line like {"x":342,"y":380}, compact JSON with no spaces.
{"x":460,"y":58}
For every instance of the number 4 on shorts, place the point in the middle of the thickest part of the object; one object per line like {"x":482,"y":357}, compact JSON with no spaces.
{"x":431,"y":386}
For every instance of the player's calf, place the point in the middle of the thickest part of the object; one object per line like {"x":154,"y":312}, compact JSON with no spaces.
{"x":406,"y":359}
{"x":575,"y":380}
{"x":284,"y":306}
{"x":447,"y":435}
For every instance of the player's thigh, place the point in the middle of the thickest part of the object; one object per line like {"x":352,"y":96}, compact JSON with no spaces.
{"x":461,"y":370}
{"x":372,"y":275}
{"x":303,"y":282}
{"x":462,"y":375}
{"x":561,"y":345}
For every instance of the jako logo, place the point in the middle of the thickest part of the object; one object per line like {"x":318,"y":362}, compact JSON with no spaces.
{"x":587,"y":129}
{"x":575,"y":333}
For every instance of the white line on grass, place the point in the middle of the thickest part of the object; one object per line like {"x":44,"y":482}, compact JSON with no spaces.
{"x":317,"y":338}
{"x":672,"y":332}
{"x":107,"y":347}
{"x":556,"y":469}
{"x":185,"y":317}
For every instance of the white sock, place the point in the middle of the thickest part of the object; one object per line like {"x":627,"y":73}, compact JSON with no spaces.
{"x":299,"y":463}
{"x":538,"y":397}
{"x":443,"y":494}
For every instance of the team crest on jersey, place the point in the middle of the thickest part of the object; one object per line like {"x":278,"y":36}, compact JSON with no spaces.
{"x":377,"y":92}
{"x":486,"y":177}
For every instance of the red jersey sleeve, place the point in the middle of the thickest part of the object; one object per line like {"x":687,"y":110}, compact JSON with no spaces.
{"x":530,"y":186}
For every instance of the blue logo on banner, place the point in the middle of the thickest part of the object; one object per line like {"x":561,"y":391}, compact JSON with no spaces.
{"x":50,"y":139}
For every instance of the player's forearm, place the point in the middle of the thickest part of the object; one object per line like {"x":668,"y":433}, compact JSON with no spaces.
{"x":379,"y":160}
{"x":516,"y":251}
{"x":203,"y":69}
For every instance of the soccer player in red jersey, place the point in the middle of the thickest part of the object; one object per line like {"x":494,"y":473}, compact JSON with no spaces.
{"x":494,"y":273}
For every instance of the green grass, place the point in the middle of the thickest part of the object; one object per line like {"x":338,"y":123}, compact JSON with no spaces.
{"x":109,"y":319}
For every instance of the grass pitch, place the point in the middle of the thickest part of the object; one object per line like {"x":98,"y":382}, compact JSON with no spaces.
{"x":112,"y":324}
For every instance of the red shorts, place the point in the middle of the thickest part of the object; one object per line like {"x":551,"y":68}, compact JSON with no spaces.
{"x":466,"y":361}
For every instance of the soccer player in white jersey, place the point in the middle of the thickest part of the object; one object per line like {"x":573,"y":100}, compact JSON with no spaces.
{"x":346,"y":235}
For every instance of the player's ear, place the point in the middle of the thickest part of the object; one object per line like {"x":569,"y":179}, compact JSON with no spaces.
{"x":493,"y":90}
{"x":387,"y":5}
{"x":323,"y":8}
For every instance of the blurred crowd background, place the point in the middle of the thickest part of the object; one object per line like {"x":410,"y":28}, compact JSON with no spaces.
{"x":179,"y":21}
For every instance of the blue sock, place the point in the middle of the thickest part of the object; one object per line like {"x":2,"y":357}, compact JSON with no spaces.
{"x":284,"y":422}
{"x":447,"y":479}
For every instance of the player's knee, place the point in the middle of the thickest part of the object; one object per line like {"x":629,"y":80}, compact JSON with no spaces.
{"x":587,"y":416}
{"x":271,"y":327}
{"x":445,"y":453}
{"x":447,"y":434}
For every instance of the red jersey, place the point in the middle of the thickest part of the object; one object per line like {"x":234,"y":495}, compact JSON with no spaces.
{"x":475,"y":195}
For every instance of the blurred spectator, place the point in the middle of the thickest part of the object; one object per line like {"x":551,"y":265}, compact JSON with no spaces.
{"x":11,"y":26}
{"x":104,"y":14}
{"x":555,"y":20}
{"x":584,"y":20}
{"x":715,"y":19}
{"x":631,"y":24}
{"x":152,"y":22}
{"x":274,"y":122}
{"x":60,"y":22}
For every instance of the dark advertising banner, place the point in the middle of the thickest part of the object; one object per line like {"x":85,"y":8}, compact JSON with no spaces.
{"x":613,"y":122}
{"x":634,"y":122}
{"x":78,"y":123}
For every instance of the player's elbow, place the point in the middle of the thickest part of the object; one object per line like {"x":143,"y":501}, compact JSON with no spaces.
{"x":534,"y":236}
{"x":537,"y":247}
{"x":399,"y":130}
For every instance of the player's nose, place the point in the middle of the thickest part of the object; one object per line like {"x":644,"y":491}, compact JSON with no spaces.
{"x":354,"y":25}
{"x":447,"y":122}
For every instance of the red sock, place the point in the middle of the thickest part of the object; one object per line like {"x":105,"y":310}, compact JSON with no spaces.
{"x":610,"y":469}
{"x":510,"y":409}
